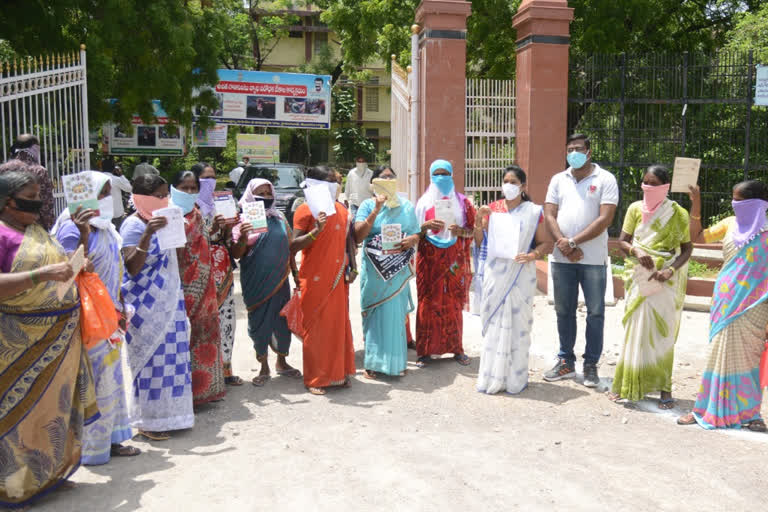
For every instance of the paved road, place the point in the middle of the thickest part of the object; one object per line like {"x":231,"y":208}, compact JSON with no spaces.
{"x":429,"y":441}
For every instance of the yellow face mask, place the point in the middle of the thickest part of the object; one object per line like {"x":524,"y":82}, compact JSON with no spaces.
{"x":388,"y":189}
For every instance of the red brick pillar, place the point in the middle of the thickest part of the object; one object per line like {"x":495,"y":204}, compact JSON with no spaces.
{"x":543,"y":40}
{"x":442,"y":86}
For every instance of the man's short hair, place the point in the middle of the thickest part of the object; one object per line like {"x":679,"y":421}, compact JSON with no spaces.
{"x":579,"y":136}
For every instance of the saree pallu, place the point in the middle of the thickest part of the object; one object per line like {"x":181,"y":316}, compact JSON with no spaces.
{"x":730,"y":394}
{"x":506,"y":309}
{"x":114,"y":425}
{"x":329,"y":356}
{"x":196,"y":268}
{"x":264,"y":272}
{"x":651,"y":324}
{"x":157,"y":339}
{"x":224,"y":277}
{"x":46,"y":383}
{"x":385,"y":304}
{"x":443,"y":278}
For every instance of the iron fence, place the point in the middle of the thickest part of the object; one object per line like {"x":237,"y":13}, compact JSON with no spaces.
{"x":647,"y":109}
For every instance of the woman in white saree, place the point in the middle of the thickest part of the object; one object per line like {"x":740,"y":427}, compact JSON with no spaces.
{"x":510,"y":235}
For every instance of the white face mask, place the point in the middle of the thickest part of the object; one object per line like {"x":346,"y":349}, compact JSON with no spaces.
{"x":361,"y":166}
{"x":510,"y":191}
{"x":106,"y":208}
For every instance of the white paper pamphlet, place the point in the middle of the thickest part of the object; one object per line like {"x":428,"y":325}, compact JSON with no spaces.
{"x":172,"y":236}
{"x":319,"y":200}
{"x":503,"y":236}
{"x":685,"y":173}
{"x":255,"y":213}
{"x":644,"y":286}
{"x":444,"y":212}
{"x":77,"y":261}
{"x":391,"y":236}
{"x":80,"y":191}
{"x":225,"y":205}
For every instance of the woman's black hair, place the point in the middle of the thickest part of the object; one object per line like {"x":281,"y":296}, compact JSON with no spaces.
{"x":320,"y":173}
{"x":380,"y":169}
{"x":197,"y":168}
{"x":147,"y":184}
{"x":520,"y":174}
{"x":752,"y":189}
{"x":183,"y":175}
{"x":661,"y":172}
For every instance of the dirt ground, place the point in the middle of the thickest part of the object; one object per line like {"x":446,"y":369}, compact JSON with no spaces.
{"x":429,"y":441}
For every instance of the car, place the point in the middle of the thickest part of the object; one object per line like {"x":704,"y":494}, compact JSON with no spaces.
{"x":286,"y":178}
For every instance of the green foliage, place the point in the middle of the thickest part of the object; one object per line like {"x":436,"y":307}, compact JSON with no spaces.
{"x":751,"y":32}
{"x":349,"y":139}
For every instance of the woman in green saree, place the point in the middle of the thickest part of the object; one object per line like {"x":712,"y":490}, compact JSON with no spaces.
{"x":46,"y":383}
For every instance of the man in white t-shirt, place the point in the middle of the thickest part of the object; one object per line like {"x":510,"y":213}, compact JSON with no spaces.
{"x":119,"y":184}
{"x":580,"y":205}
{"x":358,"y":187}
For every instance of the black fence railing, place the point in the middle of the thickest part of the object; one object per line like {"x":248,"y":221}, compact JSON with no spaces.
{"x":648,"y":109}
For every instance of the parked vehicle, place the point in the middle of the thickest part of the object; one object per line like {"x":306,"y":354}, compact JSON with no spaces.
{"x":285,"y":177}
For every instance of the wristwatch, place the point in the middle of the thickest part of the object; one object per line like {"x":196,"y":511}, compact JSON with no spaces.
{"x":571,"y":243}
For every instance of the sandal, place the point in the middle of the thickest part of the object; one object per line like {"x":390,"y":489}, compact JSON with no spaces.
{"x":260,"y":380}
{"x":756,"y":426}
{"x":370,"y":374}
{"x":613,"y":397}
{"x":462,"y":359}
{"x":154,"y":436}
{"x":422,"y":362}
{"x":666,"y":403}
{"x":290,"y":372}
{"x":233,"y":380}
{"x":688,"y":419}
{"x":118,"y":450}
{"x":317,"y":391}
{"x":347,"y":382}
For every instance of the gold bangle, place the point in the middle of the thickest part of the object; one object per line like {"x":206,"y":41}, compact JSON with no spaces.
{"x":695,"y":217}
{"x":312,"y":236}
{"x":140,"y":249}
{"x":536,"y":252}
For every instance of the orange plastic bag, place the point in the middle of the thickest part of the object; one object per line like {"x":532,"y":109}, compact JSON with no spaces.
{"x":294,"y":317}
{"x":764,"y":368}
{"x":98,"y":316}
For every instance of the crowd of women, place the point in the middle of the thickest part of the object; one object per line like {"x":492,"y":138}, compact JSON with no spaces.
{"x":62,"y":404}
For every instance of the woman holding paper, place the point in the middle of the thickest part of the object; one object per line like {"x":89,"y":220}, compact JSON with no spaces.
{"x":266,"y":262}
{"x":732,"y":382}
{"x":385,"y":298}
{"x":196,"y":269}
{"x":157,"y":337}
{"x":657,"y":243}
{"x":95,"y":231}
{"x":47,"y":384}
{"x":511,"y":235}
{"x":443,"y":271}
{"x":320,"y":232}
{"x":219,"y":233}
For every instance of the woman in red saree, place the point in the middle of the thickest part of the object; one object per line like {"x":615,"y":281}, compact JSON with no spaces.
{"x":329,"y":356}
{"x":443,"y":271}
{"x":195,"y":266}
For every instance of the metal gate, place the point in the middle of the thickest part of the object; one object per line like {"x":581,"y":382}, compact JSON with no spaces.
{"x":48,"y":97}
{"x":490,"y":130}
{"x":401,"y":127}
{"x":647,"y":109}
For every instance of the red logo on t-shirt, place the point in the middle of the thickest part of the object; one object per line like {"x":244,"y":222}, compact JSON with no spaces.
{"x":592,"y":189}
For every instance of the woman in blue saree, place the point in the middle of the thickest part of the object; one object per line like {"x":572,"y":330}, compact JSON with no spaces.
{"x":265,"y":264}
{"x":385,"y":298}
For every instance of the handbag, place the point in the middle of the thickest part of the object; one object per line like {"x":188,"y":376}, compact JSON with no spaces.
{"x":293,"y":314}
{"x":98,"y":317}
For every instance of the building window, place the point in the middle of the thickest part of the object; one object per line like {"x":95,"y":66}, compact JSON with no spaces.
{"x":372,"y":95}
{"x":321,"y":41}
{"x":297,"y":34}
{"x":371,"y":133}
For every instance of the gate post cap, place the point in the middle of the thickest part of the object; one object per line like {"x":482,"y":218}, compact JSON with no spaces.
{"x":82,"y":47}
{"x":415,"y":29}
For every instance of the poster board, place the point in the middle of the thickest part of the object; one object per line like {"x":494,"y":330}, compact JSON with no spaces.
{"x":145,"y":139}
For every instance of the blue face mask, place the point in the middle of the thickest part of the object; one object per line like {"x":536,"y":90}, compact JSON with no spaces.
{"x":183,"y":200}
{"x":577,"y":160}
{"x":443,"y":183}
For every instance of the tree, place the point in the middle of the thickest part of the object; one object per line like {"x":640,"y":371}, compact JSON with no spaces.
{"x":138,"y":50}
{"x":751,"y":32}
{"x":349,"y":139}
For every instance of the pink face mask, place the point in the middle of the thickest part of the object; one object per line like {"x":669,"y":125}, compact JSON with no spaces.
{"x":145,"y":205}
{"x":652,"y":199}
